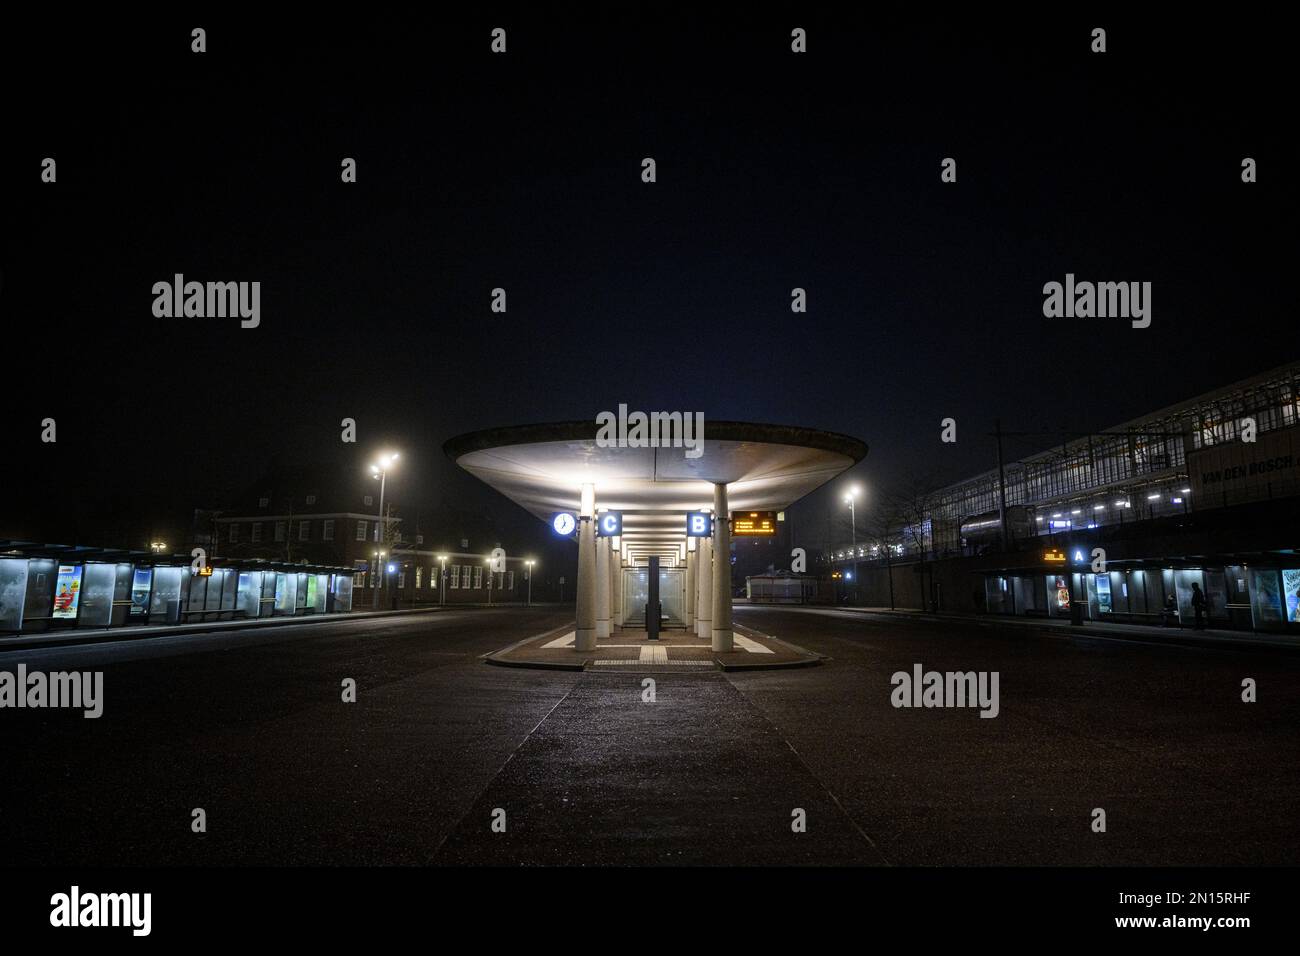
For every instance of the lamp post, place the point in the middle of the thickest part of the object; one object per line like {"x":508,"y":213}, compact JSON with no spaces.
{"x":490,"y":575}
{"x":379,"y":470}
{"x":442,"y":579}
{"x":377,"y":574}
{"x":851,"y":500}
{"x":529,"y":565}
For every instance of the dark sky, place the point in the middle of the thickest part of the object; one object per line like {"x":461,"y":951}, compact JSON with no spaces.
{"x":523,"y":171}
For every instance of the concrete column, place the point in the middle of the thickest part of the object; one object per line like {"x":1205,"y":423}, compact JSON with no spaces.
{"x":616,"y":584}
{"x":602,"y":587}
{"x":704,"y":599}
{"x":585,"y":634}
{"x":721,"y":623}
{"x":690,"y":591}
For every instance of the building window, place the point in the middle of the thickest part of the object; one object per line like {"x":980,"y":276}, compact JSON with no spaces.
{"x":433,"y":577}
{"x":234,"y":532}
{"x":419,"y":539}
{"x":510,"y":580}
{"x":455,"y":577}
{"x":263,"y":502}
{"x":257,"y":532}
{"x":327,"y":529}
{"x":280,"y":529}
{"x":361,"y":531}
{"x":311,"y":499}
{"x":464,"y":575}
{"x":304,"y":530}
{"x":370,"y":500}
{"x":419,"y":580}
{"x":401,"y":578}
{"x":478,"y":577}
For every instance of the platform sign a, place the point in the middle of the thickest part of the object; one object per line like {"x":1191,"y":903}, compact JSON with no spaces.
{"x":699,"y":524}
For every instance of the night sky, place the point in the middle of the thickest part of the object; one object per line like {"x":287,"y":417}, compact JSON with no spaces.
{"x":522,"y":171}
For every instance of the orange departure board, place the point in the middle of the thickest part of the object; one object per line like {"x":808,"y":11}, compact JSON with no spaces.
{"x":753,"y":523}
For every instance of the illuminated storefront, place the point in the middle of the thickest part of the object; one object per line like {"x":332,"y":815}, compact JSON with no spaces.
{"x":45,"y":587}
{"x":1260,"y":592}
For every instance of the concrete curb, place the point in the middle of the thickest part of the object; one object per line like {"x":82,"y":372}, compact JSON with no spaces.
{"x":111,"y":635}
{"x":813,"y":660}
{"x":492,"y":658}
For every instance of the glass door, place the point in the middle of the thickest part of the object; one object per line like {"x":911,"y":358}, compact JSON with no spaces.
{"x":672,"y":596}
{"x":636,"y":592}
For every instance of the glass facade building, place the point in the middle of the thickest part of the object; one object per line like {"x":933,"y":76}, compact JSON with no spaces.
{"x":48,"y":587}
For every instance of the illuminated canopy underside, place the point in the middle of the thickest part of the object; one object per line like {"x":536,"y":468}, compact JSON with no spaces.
{"x":542,"y":468}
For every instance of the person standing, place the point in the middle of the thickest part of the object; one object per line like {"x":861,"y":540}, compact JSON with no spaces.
{"x":1198,"y":607}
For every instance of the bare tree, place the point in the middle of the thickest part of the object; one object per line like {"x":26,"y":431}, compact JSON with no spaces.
{"x":911,"y":504}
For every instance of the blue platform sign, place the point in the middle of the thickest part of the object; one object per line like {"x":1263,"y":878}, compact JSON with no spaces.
{"x":699,"y":524}
{"x":609,"y":524}
{"x":564,"y":523}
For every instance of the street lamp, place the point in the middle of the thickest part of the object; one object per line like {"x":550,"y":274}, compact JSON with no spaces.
{"x":157,"y":547}
{"x":851,"y":500}
{"x":379,"y":470}
{"x":529,"y":564}
{"x":490,"y":575}
{"x":377,"y":573}
{"x":442,"y":579}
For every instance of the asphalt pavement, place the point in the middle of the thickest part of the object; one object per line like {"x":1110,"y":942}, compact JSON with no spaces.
{"x":442,"y":759}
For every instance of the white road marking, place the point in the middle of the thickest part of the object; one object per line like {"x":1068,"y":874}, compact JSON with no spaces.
{"x":565,"y":640}
{"x":752,"y":646}
{"x":654,"y":655}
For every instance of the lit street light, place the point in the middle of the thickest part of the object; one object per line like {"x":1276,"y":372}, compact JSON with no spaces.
{"x":850,"y":500}
{"x":379,"y":470}
{"x":442,"y":579}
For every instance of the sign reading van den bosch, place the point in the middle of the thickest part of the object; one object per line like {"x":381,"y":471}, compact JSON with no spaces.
{"x":1254,"y":469}
{"x":1236,"y":467}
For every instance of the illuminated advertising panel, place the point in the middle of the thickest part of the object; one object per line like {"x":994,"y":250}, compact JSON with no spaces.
{"x":67,"y":592}
{"x":1291,"y":592}
{"x":140,"y":585}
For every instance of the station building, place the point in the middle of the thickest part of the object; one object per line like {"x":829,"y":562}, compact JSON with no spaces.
{"x":1205,"y":492}
{"x":305,"y":513}
{"x":655,"y":523}
{"x":420,"y":577}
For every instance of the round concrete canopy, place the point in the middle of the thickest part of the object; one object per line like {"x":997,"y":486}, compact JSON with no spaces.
{"x":542,"y":468}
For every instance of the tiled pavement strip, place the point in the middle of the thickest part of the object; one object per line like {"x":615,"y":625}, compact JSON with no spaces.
{"x":675,"y":649}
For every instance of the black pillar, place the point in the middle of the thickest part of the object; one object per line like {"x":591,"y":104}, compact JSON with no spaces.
{"x":652,"y":600}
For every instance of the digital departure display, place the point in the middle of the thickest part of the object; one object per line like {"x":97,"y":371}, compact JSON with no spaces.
{"x":754,"y":523}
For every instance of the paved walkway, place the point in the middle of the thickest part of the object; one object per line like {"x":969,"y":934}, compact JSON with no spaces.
{"x":1135,"y":632}
{"x":676,"y":650}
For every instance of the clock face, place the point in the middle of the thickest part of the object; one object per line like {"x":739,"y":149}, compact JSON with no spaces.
{"x":564,"y":523}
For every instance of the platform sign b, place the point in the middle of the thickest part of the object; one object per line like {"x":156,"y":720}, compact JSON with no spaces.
{"x":698,"y":524}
